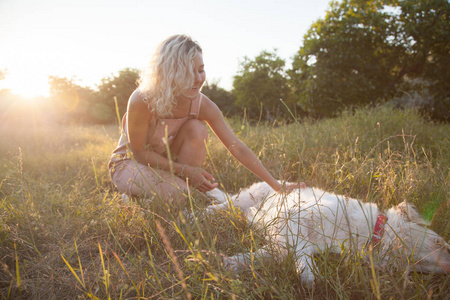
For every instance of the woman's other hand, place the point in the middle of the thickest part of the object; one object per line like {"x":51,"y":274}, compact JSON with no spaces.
{"x":199,"y":178}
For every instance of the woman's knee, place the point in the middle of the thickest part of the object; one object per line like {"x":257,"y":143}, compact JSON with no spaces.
{"x":195,"y":129}
{"x":189,"y":146}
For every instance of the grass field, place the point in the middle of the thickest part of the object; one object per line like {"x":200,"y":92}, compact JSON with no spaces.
{"x":65,"y":233}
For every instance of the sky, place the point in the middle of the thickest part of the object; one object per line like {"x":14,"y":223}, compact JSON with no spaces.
{"x":87,"y":40}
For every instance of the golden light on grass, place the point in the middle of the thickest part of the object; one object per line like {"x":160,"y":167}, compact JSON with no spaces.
{"x":63,"y":224}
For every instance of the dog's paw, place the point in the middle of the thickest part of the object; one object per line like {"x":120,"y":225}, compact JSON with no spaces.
{"x":308,"y":280}
{"x":307,"y":277}
{"x":306,"y":273}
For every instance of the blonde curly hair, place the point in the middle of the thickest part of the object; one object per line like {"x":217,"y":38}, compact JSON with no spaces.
{"x":169,"y":74}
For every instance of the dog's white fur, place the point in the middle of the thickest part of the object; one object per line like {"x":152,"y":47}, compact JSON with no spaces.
{"x":310,"y":220}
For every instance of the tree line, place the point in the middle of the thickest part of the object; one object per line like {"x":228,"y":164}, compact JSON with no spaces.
{"x":361,"y":53}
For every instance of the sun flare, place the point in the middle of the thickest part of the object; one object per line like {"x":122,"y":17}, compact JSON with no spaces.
{"x":30,"y":89}
{"x":27,"y":86}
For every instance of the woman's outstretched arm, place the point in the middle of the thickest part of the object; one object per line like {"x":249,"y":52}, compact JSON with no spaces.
{"x":213,"y":116}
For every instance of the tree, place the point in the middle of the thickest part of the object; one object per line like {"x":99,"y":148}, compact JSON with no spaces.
{"x":364,"y":51}
{"x":260,"y":85}
{"x":78,"y":104}
{"x":426,"y":26}
{"x":119,"y":87}
{"x":71,"y":102}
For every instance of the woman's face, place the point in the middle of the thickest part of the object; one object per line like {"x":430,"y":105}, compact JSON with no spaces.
{"x":199,"y":77}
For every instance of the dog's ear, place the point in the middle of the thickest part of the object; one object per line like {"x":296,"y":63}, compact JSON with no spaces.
{"x":409,"y":213}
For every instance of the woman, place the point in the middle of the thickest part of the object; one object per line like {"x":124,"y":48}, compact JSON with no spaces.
{"x":164,"y":129}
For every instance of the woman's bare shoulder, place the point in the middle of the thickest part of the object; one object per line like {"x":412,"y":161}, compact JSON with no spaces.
{"x":137,"y":102}
{"x":137,"y":98}
{"x":138,"y":107}
{"x":209,"y":110}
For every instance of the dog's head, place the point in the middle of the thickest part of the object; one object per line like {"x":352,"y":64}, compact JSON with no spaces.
{"x":408,"y":234}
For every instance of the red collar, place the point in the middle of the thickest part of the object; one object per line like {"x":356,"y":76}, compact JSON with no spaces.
{"x":378,"y":229}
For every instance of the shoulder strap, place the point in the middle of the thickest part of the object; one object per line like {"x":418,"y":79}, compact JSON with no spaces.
{"x":195,"y":107}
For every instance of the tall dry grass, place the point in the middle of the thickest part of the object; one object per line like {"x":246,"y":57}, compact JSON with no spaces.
{"x":66,"y":233}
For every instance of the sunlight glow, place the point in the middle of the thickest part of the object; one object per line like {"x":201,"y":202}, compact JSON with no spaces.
{"x":26,"y":84}
{"x":84,"y":38}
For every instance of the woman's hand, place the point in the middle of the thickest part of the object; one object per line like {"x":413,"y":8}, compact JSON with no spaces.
{"x":199,"y":178}
{"x":288,"y":187}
